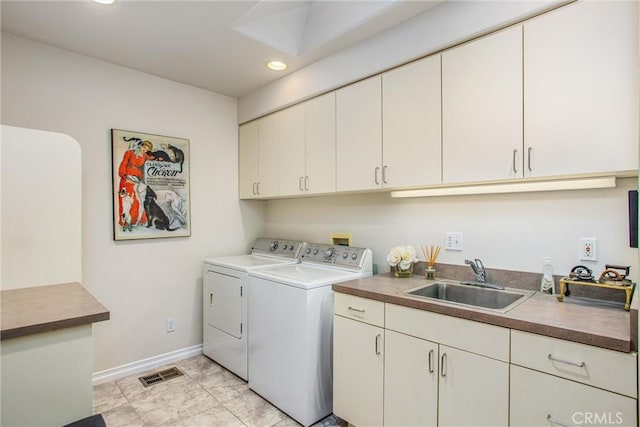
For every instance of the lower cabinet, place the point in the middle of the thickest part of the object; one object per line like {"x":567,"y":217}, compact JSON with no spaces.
{"x":410,"y":381}
{"x":539,"y":399}
{"x":399,"y":366}
{"x":358,"y":371}
{"x":427,"y":384}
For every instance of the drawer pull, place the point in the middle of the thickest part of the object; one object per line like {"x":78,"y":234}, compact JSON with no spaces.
{"x":566,"y":362}
{"x":556,"y":422}
{"x":431,"y":361}
{"x":357,"y":310}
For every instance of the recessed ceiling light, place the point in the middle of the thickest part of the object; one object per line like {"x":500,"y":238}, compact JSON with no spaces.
{"x":276,"y":65}
{"x":104,"y":1}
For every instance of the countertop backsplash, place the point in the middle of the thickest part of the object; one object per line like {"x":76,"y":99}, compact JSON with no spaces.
{"x":519,"y":280}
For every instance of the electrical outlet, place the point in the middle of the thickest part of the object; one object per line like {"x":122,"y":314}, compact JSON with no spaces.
{"x":171,"y":324}
{"x":588,"y":249}
{"x":453,"y":241}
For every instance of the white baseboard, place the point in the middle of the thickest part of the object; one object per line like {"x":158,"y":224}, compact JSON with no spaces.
{"x":145,"y":364}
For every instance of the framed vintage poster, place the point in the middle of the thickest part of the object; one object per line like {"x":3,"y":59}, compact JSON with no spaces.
{"x":151,"y":197}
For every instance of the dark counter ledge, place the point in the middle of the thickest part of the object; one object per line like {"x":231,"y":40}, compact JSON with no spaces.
{"x":573,"y":320}
{"x":28,"y":311}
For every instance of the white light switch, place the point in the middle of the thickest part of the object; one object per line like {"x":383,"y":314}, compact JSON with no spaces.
{"x":453,"y":241}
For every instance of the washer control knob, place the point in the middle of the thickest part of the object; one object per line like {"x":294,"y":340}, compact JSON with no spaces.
{"x":315,"y":251}
{"x":329,"y":252}
{"x":308,"y":251}
{"x":345,"y":255}
{"x":354,"y":256}
{"x":273,"y":246}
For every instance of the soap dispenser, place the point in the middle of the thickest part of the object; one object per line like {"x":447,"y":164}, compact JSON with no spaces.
{"x":547,"y":284}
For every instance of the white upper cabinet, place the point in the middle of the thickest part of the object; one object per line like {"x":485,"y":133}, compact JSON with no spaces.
{"x":320,"y":146}
{"x":258,"y":158}
{"x":482,"y":109}
{"x":268,"y":156}
{"x":581,"y":89}
{"x":248,"y":160}
{"x":411,"y":124}
{"x":291,"y":123}
{"x":359,"y":136}
{"x":291,"y":152}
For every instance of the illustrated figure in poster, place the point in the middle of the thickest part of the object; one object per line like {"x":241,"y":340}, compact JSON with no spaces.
{"x":131,"y":173}
{"x":152,"y":186}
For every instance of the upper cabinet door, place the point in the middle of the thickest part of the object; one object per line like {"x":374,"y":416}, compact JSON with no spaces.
{"x":359,"y":135}
{"x":268,"y":156}
{"x":482,"y":109}
{"x":581,"y":89}
{"x":291,"y":127}
{"x":321,"y":145}
{"x":411,"y":124}
{"x":248,"y":160}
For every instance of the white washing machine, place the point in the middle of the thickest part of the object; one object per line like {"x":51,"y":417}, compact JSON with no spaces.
{"x":225,"y":288}
{"x":291,"y":322}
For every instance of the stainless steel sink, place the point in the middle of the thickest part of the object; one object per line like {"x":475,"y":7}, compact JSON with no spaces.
{"x":472,"y":295}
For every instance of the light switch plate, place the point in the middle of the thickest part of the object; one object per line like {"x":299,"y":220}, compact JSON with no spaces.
{"x":453,"y":241}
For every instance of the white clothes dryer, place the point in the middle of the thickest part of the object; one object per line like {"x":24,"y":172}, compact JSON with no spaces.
{"x":225,"y":288}
{"x":291,"y":323}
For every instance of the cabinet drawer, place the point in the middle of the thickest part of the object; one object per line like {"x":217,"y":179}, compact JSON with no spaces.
{"x":357,"y":308}
{"x":599,"y":367}
{"x":536,"y":396}
{"x":475,"y":337}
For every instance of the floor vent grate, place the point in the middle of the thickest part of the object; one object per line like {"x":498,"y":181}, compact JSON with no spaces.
{"x":160,"y":376}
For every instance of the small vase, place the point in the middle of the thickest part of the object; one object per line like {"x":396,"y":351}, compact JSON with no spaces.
{"x":399,"y":272}
{"x":430,"y":273}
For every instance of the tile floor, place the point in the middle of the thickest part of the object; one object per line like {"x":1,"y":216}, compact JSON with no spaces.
{"x":206,"y":395}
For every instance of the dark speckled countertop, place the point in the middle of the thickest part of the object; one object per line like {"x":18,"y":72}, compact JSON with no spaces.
{"x":28,"y":311}
{"x":595,"y":324}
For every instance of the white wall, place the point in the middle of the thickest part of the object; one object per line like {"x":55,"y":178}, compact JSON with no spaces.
{"x":508,"y":231}
{"x":34,"y":252}
{"x":145,"y":281}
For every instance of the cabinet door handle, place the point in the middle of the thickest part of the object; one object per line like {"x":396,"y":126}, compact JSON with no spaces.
{"x":258,"y":188}
{"x":529,"y":158}
{"x":306,"y":183}
{"x":378,"y":343}
{"x":566,"y":362}
{"x":515,"y":167}
{"x":431,"y":361}
{"x":300,"y":183}
{"x":210,"y":298}
{"x":254,"y":188}
{"x":375,"y":175}
{"x":443,"y":365}
{"x":384,"y":174}
{"x":556,"y":422}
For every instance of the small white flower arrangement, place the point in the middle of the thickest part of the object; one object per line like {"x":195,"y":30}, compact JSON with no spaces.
{"x":402,"y":257}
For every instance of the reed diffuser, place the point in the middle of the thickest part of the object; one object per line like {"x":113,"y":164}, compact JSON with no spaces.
{"x":430,"y":255}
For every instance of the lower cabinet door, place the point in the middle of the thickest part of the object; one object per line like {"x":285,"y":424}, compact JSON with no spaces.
{"x":410,"y":381}
{"x":473,"y":389}
{"x":541,"y":399}
{"x":358,"y":372}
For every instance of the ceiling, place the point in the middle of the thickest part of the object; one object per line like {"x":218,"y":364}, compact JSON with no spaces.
{"x":221,"y":46}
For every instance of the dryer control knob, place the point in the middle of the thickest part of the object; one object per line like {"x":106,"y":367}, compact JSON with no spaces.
{"x":308,"y":251}
{"x":345,"y":255}
{"x":329,"y":252}
{"x":273,"y":246}
{"x":315,"y":252}
{"x":354,"y":256}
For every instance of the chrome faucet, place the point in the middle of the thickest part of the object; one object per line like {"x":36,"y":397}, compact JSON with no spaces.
{"x":478,"y":269}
